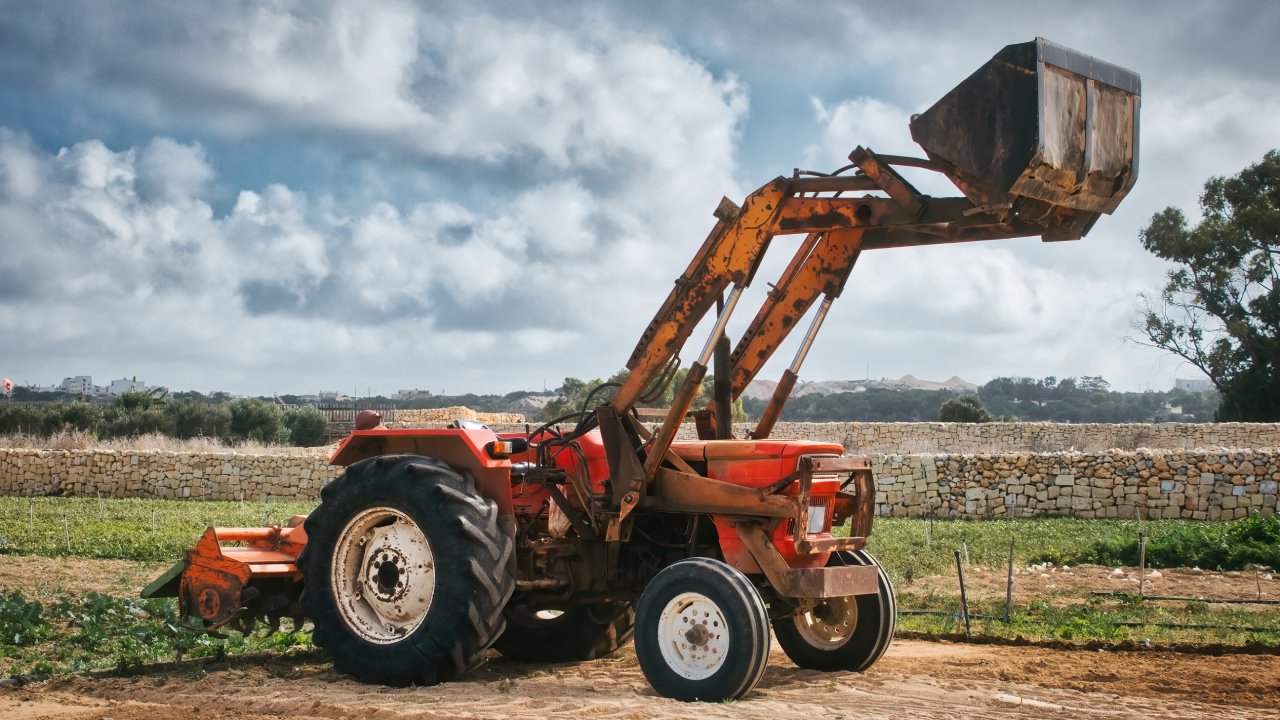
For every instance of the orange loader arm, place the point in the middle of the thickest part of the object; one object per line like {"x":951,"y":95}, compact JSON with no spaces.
{"x":1040,"y":141}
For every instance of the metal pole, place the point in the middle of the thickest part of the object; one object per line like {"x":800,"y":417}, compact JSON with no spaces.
{"x":1142,"y":566}
{"x":721,"y":321}
{"x":812,"y":333}
{"x":964,"y":599}
{"x":1008,"y":591}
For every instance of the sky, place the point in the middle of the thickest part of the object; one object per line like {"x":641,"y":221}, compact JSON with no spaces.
{"x":288,"y":197}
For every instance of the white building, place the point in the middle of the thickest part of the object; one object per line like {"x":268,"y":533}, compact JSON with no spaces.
{"x":124,"y":385}
{"x":80,"y":385}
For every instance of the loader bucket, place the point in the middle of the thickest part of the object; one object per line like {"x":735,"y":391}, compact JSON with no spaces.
{"x":1042,"y":128}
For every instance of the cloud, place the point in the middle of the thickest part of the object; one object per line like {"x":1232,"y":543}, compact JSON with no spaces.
{"x":509,"y":190}
{"x":573,"y":161}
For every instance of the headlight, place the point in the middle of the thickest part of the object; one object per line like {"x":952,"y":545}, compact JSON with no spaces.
{"x":817,"y":519}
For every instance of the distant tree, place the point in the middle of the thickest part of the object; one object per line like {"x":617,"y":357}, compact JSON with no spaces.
{"x":307,"y":426}
{"x":1220,"y":309}
{"x":574,"y":395}
{"x":964,"y":409}
{"x":257,"y":419}
{"x":191,"y":418}
{"x":137,"y":412}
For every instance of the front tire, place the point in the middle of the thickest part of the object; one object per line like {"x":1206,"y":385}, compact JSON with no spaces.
{"x":405,"y":571}
{"x":846,"y":633}
{"x":702,"y":632}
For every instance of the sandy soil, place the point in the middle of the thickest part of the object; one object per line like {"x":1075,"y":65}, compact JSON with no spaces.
{"x":915,"y":679}
{"x":40,"y":577}
{"x":1043,"y":581}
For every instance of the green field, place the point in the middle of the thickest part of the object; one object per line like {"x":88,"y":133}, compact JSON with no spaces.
{"x":158,"y":530}
{"x":150,"y":530}
{"x":925,"y":547}
{"x":53,"y":631}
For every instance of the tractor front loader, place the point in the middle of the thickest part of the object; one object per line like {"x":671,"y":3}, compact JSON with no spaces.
{"x":566,"y":541}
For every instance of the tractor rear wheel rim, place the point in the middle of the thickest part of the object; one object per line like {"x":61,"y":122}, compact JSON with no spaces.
{"x":828,"y":623}
{"x":693,"y":636}
{"x":383,"y":575}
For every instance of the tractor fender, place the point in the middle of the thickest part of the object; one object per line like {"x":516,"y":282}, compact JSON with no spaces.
{"x":463,"y":449}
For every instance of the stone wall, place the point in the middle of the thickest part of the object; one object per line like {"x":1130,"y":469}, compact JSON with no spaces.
{"x":1190,"y":485}
{"x":936,"y":437}
{"x":1200,"y":485}
{"x":169,"y":475}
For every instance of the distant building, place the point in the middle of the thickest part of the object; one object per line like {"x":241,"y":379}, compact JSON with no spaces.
{"x":124,"y":385}
{"x":333,"y":396}
{"x":413,"y":394}
{"x":81,"y":385}
{"x":1193,"y":385}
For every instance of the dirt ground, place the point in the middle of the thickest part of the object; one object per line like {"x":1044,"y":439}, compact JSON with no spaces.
{"x":1043,"y":581}
{"x":915,"y":679}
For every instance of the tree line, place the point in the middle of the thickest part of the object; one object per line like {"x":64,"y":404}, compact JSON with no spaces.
{"x":1073,"y":400}
{"x":137,"y":413}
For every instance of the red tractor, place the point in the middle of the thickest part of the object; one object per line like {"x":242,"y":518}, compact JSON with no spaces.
{"x":564,"y":542}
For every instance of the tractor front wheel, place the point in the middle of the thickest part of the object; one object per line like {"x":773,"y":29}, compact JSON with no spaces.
{"x":843,"y":633}
{"x":702,"y":632}
{"x":405,"y":571}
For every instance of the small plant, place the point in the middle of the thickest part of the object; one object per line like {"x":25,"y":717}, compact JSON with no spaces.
{"x":22,"y":622}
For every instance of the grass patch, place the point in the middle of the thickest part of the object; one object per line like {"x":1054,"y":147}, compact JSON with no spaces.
{"x":1235,"y":545}
{"x":96,"y":631}
{"x":150,"y":530}
{"x":1111,"y":620}
{"x":925,"y":547}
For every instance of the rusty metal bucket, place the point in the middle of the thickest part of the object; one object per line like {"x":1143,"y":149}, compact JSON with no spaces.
{"x":1050,"y":132}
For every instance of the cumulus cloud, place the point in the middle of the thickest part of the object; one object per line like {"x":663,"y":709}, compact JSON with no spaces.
{"x":577,"y":165}
{"x":516,"y":187}
{"x":113,"y":268}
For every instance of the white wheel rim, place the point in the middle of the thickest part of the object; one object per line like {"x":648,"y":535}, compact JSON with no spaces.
{"x":383,"y":575}
{"x":693,"y":636}
{"x":828,"y":623}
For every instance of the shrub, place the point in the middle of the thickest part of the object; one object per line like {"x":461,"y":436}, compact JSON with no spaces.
{"x":256,"y":419}
{"x":191,"y":418}
{"x":73,"y":416}
{"x":964,"y":409}
{"x":22,"y":419}
{"x":122,"y":422}
{"x":307,"y":426}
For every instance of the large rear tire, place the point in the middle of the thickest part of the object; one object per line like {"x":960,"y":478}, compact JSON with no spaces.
{"x":586,"y":632}
{"x":702,"y":632}
{"x":405,"y":571}
{"x":847,"y":633}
